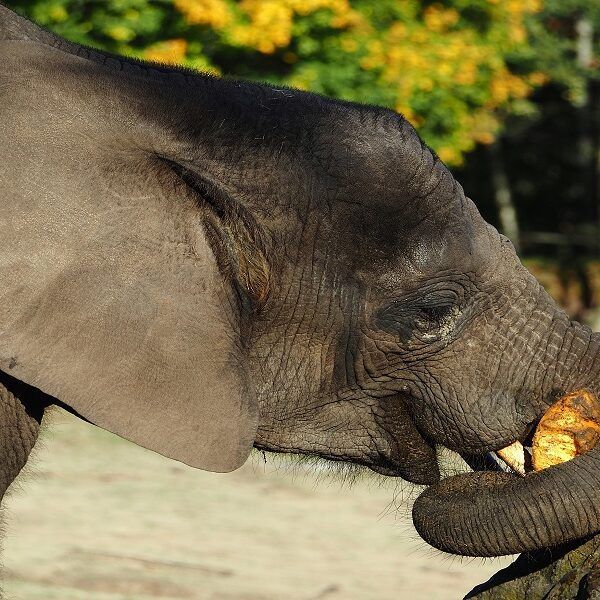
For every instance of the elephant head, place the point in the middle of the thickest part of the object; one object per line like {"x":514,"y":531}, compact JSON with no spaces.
{"x":203,"y":265}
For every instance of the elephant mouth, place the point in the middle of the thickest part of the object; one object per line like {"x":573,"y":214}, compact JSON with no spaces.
{"x":515,"y":459}
{"x":413,"y":456}
{"x":417,"y":461}
{"x":535,"y":493}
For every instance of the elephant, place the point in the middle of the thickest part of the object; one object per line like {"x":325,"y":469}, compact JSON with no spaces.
{"x":205,"y":265}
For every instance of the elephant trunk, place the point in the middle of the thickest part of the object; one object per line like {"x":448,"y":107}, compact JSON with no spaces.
{"x":494,"y":514}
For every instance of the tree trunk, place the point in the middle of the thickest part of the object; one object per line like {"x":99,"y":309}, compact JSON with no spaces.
{"x":568,"y":573}
{"x":587,"y":150}
{"x":507,"y":212}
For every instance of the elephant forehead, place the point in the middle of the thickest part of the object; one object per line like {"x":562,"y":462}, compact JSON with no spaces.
{"x":459,"y":240}
{"x":453,"y":252}
{"x":426,"y":241}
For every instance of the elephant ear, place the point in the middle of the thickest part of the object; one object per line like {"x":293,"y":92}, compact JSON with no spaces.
{"x":121,"y":313}
{"x":126,"y":322}
{"x":111,"y":298}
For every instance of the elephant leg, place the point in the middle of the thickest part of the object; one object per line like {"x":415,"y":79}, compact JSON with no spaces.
{"x":21,"y":411}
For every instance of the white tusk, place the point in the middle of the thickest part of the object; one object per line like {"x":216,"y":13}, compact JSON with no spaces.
{"x":514,"y":457}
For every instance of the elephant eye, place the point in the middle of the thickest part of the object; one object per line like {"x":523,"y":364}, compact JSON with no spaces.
{"x":437,"y":313}
{"x":425,"y":319}
{"x":435,"y":322}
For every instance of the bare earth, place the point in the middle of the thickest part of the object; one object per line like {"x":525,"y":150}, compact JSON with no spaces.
{"x":97,"y":518}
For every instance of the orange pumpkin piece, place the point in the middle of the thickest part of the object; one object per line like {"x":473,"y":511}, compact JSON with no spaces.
{"x":570,"y":427}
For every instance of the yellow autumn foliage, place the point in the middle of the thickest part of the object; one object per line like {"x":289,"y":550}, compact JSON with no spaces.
{"x":425,"y":53}
{"x":167,"y":52}
{"x":267,"y":25}
{"x":215,"y":13}
{"x":420,"y":55}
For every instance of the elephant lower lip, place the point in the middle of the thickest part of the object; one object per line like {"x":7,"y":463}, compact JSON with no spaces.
{"x":419,"y":466}
{"x":426,"y":476}
{"x":388,"y":472}
{"x":406,"y":451}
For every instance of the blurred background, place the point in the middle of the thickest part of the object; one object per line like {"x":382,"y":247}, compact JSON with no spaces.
{"x":507,"y":92}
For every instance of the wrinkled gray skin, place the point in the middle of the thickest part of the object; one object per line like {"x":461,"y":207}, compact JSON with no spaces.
{"x":367,"y":311}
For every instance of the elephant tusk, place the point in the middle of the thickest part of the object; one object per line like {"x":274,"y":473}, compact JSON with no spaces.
{"x":514,"y":457}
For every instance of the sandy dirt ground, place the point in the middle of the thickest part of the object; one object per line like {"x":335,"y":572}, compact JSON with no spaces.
{"x":94,"y":517}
